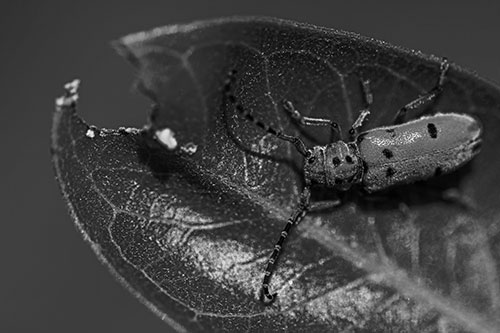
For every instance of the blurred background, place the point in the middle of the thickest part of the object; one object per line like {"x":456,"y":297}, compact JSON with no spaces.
{"x":50,"y":279}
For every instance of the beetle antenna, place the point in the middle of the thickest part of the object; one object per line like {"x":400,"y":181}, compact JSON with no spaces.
{"x":228,"y":92}
{"x":292,"y":221}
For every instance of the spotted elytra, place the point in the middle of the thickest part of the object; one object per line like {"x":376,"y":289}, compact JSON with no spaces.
{"x":377,"y":159}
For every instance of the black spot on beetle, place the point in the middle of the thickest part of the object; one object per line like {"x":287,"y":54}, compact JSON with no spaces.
{"x":391,"y":131}
{"x":359,"y":139}
{"x":348,"y":159}
{"x":336,"y":161}
{"x":311,"y":160}
{"x":389,"y":172}
{"x":438,"y":171}
{"x":431,"y":128}
{"x":387,"y":153}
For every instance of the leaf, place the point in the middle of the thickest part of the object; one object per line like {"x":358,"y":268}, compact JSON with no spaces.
{"x":190,"y":233}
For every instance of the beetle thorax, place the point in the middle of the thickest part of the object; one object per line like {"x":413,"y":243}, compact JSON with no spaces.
{"x":335,"y":165}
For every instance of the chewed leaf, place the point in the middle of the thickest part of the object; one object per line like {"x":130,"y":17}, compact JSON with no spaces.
{"x":186,"y":213}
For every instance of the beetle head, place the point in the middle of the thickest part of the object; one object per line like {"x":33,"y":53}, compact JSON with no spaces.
{"x":335,"y":165}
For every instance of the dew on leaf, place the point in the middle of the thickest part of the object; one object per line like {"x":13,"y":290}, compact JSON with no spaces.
{"x":90,"y":133}
{"x":166,"y":137}
{"x":189,"y":148}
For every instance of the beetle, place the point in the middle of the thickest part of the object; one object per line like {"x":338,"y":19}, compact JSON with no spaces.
{"x":376,"y":159}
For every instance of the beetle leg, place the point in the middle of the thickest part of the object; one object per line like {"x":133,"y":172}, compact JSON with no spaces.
{"x":368,"y":97}
{"x":309,"y":121}
{"x":324,"y":205}
{"x":427,"y":98}
{"x":266,"y":297}
{"x":377,"y":239}
{"x":453,"y":195}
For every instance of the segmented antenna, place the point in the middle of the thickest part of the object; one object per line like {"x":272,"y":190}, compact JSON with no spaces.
{"x":293,"y":221}
{"x":228,"y":92}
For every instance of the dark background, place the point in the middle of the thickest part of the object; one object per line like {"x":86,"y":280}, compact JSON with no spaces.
{"x":50,"y":280}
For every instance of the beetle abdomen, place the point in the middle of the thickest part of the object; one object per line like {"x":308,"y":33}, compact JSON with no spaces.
{"x":418,"y":149}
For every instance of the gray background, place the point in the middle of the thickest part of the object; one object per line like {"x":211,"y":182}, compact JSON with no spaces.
{"x":50,"y":280}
